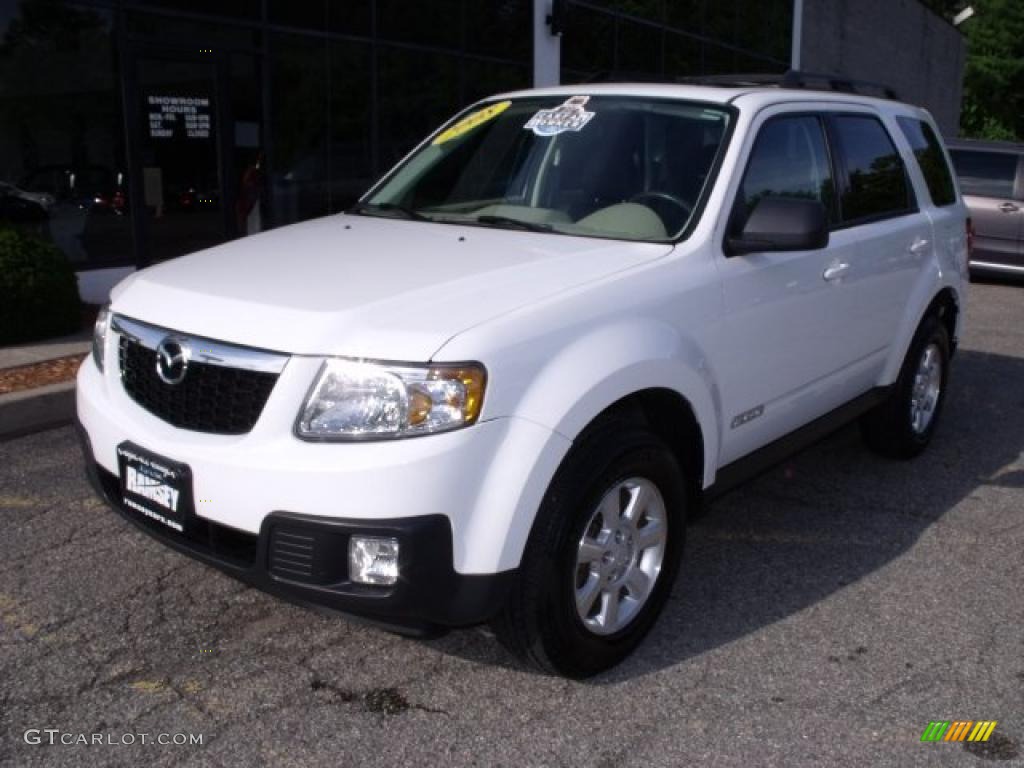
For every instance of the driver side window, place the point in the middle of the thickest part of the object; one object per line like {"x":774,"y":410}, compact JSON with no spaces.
{"x":789,"y":159}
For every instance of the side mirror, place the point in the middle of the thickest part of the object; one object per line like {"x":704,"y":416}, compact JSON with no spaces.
{"x":781,"y":224}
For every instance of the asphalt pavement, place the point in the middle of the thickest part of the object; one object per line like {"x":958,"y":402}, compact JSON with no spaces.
{"x":827,"y":612}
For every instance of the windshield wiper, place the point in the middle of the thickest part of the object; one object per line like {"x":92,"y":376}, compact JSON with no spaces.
{"x":408,"y":213}
{"x":532,"y":226}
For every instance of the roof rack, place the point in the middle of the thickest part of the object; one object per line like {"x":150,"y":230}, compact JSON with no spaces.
{"x":796,"y":79}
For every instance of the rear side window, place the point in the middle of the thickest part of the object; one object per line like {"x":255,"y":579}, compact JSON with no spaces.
{"x":986,"y":174}
{"x":789,"y":159}
{"x":928,"y":151}
{"x":877,"y":184}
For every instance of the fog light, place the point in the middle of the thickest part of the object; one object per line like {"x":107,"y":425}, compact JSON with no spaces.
{"x":372,"y":560}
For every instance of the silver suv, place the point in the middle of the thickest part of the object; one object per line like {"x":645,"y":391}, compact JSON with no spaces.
{"x":992,"y":181}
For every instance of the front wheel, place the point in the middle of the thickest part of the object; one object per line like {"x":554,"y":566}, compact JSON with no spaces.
{"x":903,"y":425}
{"x":601,"y":557}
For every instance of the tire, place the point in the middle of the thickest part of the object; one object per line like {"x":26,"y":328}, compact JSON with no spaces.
{"x":903,"y":425}
{"x":619,"y":466}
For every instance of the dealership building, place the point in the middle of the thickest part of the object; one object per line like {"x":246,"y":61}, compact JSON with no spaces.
{"x":135,"y":131}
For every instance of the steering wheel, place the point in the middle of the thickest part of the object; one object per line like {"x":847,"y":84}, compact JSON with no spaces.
{"x":673,"y":211}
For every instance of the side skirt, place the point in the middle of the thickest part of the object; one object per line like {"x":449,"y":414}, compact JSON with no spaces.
{"x":763,"y":459}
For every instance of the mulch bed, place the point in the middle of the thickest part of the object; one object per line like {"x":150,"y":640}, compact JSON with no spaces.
{"x":39,"y":374}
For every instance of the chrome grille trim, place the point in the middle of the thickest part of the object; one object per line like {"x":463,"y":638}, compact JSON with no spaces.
{"x":203,"y":350}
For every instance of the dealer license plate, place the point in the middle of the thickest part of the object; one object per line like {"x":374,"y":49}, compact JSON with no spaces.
{"x":155,"y":487}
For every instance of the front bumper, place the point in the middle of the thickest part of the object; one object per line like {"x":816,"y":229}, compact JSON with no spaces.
{"x":429,"y":595}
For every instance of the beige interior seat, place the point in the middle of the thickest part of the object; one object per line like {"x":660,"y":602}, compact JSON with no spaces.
{"x":627,"y":219}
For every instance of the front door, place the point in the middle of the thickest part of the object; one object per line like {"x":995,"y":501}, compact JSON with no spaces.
{"x":180,"y":162}
{"x":783,"y":331}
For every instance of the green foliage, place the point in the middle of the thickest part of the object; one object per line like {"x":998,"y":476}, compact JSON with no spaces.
{"x":994,"y":82}
{"x":993,"y":106}
{"x":38,"y":290}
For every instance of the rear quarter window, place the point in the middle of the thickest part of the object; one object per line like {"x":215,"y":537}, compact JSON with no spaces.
{"x":930,"y":158}
{"x":985,"y":174}
{"x":877,"y":184}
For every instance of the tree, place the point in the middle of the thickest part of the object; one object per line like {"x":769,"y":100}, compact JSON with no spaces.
{"x":994,"y":81}
{"x":993,"y":105}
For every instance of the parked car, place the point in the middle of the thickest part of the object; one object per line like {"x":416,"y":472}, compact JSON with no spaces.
{"x":495,"y":389}
{"x":86,"y":187}
{"x":992,"y":182}
{"x":19,"y":209}
{"x":40,"y":199}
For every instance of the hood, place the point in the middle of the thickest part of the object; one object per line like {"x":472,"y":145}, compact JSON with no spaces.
{"x":364,"y":286}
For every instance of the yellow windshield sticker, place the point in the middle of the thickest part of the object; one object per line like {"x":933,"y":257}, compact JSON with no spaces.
{"x":469,"y":122}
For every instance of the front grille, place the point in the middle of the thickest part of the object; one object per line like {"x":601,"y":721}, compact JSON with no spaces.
{"x":211,"y":398}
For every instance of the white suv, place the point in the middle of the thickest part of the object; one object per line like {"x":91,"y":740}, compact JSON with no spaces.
{"x":496,"y":387}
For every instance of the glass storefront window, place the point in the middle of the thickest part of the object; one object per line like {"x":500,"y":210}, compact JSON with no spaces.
{"x":682,"y":55}
{"x":438,"y":22}
{"x":500,"y":29}
{"x":191,"y":34}
{"x":61,"y":139}
{"x":308,"y":101}
{"x":307,"y":14}
{"x":411,"y":105}
{"x":490,"y":78}
{"x":686,"y":15}
{"x":183,"y":189}
{"x":350,"y":149}
{"x":233,"y":9}
{"x":352,"y":17}
{"x":298,"y":178}
{"x":588,"y":44}
{"x":640,"y":48}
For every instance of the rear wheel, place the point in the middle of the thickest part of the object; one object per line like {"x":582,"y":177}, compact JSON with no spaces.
{"x":903,"y":425}
{"x":601,"y":557}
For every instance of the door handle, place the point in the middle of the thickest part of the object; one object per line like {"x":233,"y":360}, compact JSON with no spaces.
{"x":1008,"y":208}
{"x":919,"y":246}
{"x":835,"y":271}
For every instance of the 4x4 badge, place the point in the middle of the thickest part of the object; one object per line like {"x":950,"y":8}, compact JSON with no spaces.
{"x":747,"y":416}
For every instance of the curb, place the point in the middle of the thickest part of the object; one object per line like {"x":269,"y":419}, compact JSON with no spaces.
{"x":34,"y":410}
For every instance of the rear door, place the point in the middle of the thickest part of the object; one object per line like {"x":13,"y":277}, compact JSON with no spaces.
{"x":989,"y":182}
{"x":946,"y":213}
{"x":893,"y":238}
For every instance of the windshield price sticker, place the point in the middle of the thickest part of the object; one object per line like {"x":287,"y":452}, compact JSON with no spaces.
{"x":469,"y":122}
{"x":570,"y":116}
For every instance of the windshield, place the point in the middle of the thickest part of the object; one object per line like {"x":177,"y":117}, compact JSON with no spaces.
{"x":601,"y":166}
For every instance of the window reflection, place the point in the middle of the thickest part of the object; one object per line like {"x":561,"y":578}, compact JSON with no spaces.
{"x":877,"y":180}
{"x":61,"y":144}
{"x":789,"y":160}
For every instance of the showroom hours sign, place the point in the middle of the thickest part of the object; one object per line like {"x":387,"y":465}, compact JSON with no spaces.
{"x":179,"y":117}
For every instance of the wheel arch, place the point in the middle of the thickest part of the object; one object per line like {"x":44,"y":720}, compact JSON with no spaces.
{"x":670,"y":416}
{"x":561,"y":383}
{"x":944,"y":302}
{"x":663,"y":409}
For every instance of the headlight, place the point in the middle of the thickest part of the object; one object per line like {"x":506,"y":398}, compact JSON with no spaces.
{"x":354,"y":400}
{"x":99,"y":335}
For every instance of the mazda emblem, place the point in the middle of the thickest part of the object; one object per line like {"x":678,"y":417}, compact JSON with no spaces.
{"x":172,"y":360}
